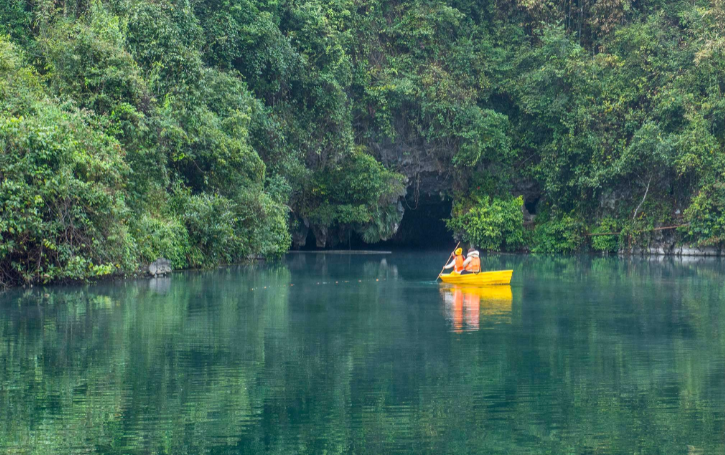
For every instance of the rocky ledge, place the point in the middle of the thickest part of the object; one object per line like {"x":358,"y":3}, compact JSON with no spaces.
{"x":160,"y":267}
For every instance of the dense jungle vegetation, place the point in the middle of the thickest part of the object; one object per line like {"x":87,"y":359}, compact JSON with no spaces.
{"x":206,"y":131}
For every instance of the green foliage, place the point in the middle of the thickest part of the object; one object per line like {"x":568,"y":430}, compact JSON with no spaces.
{"x":90,"y":65}
{"x":382,"y":224}
{"x":211,"y":222}
{"x":96,"y":191}
{"x":165,"y":39}
{"x":614,"y":113}
{"x":706,"y":216}
{"x":559,"y":235}
{"x":15,"y":20}
{"x":62,"y":209}
{"x":355,"y":191}
{"x":483,"y":135}
{"x":222,"y":230}
{"x":489,"y":224}
{"x":162,"y":237}
{"x":606,"y":243}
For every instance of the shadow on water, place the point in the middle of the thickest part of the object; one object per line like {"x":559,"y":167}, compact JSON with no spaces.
{"x":337,"y":353}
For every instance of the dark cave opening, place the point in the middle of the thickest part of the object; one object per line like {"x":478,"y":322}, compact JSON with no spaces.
{"x":423,"y":226}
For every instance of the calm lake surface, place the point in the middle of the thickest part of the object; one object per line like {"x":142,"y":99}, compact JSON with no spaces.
{"x":366,"y":354}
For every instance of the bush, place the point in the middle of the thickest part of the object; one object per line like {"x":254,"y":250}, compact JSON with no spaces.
{"x":160,"y":237}
{"x":223,"y":230}
{"x":491,"y":225}
{"x":706,"y":215}
{"x":606,"y":243}
{"x":264,"y":223}
{"x":209,"y":220}
{"x":563,"y":235}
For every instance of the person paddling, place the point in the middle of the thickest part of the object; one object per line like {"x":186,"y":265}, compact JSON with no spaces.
{"x":457,"y":262}
{"x":472,"y":264}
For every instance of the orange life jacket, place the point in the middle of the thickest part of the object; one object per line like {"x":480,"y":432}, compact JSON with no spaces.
{"x":474,"y":265}
{"x":458,"y":267}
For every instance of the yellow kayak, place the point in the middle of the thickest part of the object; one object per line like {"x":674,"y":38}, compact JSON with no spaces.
{"x":482,"y":278}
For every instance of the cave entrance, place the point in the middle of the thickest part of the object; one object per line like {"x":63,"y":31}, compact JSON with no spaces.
{"x":423,"y":225}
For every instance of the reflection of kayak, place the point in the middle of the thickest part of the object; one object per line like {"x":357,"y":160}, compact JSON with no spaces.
{"x":472,"y":304}
{"x":483,"y":278}
{"x":487,"y":293}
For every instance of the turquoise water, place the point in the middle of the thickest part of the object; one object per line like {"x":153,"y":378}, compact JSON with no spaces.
{"x":366,"y":354}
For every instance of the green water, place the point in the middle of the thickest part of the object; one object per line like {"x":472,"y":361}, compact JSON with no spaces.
{"x":365,"y":354}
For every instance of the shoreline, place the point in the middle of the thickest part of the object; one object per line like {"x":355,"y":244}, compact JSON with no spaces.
{"x":685,"y":254}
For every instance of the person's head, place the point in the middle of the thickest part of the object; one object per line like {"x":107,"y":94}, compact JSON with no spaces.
{"x":458,"y":251}
{"x":471,"y":250}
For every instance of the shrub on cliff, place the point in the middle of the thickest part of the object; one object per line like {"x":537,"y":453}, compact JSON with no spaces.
{"x":564,"y":234}
{"x":489,"y":224}
{"x":706,"y":216}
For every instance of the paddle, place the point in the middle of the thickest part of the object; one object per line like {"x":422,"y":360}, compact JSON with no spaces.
{"x":449,"y":256}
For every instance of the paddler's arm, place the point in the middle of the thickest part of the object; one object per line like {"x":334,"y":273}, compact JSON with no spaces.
{"x":451,"y":264}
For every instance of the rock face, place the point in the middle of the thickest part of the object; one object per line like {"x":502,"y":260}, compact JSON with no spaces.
{"x":669,"y":242}
{"x":320,"y":235}
{"x":692,"y":251}
{"x":426,"y":166}
{"x":684,"y":250}
{"x":160,"y":267}
{"x":299,"y":233}
{"x":669,"y":246}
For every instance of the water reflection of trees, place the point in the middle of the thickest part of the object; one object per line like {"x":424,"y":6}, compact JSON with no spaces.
{"x":593,"y":355}
{"x":125,"y":368}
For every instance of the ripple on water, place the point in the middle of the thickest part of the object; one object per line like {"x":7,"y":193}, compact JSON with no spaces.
{"x":579,"y":355}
